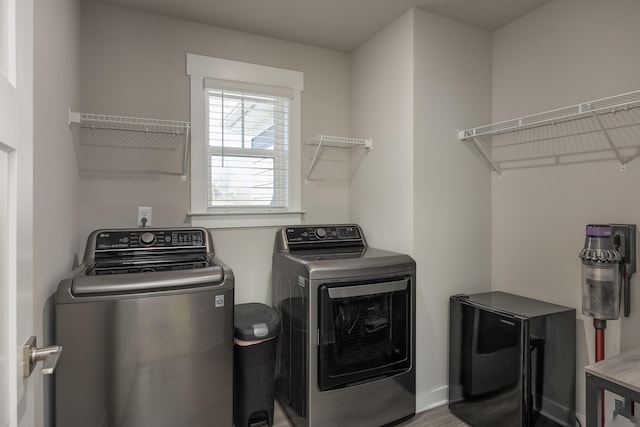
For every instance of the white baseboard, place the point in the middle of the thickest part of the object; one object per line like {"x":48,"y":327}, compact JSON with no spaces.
{"x":426,"y":400}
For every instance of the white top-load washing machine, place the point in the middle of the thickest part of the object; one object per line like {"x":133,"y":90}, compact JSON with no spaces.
{"x":347,"y":351}
{"x":146,"y":327}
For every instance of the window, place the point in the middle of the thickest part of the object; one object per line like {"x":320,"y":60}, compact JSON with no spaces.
{"x":247,"y":138}
{"x":245,"y":154}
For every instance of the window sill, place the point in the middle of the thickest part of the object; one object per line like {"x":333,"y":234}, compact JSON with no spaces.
{"x":245,"y":219}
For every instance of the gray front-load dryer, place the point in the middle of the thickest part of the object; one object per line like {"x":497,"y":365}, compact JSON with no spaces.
{"x":347,"y":350}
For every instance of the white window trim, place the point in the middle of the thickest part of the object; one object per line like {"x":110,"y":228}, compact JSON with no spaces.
{"x":200,"y":68}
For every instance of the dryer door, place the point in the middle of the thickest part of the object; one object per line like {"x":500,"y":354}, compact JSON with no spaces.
{"x":364,"y":332}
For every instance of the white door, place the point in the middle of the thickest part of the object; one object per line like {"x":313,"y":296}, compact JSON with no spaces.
{"x":16,"y":208}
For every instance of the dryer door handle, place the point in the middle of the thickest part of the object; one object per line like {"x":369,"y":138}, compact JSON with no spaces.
{"x":370,"y":289}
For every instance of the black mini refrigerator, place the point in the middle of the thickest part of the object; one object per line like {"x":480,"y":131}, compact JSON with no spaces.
{"x":512,"y":361}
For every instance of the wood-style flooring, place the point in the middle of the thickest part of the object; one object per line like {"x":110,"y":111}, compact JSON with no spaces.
{"x":437,"y":417}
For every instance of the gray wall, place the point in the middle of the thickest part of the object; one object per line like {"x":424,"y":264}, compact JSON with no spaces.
{"x":420,"y":191}
{"x":382,"y":107}
{"x":56,"y":180}
{"x":133,"y":64}
{"x":565,"y":53}
{"x":452,"y":189}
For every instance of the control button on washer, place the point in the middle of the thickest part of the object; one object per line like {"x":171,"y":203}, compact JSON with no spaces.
{"x":147,"y":238}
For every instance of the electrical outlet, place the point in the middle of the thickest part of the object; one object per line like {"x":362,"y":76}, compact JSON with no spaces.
{"x":144,"y":216}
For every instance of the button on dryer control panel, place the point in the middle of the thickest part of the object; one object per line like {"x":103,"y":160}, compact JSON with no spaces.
{"x":321,"y":233}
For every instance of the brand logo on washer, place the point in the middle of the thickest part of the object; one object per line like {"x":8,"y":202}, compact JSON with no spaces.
{"x":219,"y":301}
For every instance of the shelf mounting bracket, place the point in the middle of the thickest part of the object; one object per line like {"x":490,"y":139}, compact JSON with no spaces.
{"x":185,"y":154}
{"x":609,"y":140}
{"x":487,"y":157}
{"x":313,"y":162}
{"x":337,"y":142}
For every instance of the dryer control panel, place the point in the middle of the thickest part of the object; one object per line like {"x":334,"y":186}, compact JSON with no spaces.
{"x":322,"y":234}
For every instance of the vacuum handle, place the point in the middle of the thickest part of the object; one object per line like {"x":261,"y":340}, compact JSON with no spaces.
{"x":626,"y":294}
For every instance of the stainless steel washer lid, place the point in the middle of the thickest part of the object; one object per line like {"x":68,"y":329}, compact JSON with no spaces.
{"x":145,"y":282}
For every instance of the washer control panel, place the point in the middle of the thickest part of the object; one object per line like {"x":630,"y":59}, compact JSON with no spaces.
{"x":321,"y":234}
{"x":150,"y":238}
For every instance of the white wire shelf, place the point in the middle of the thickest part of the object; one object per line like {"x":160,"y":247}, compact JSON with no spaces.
{"x":604,"y":129}
{"x":117,"y":144}
{"x":325,"y":141}
{"x":340,"y":142}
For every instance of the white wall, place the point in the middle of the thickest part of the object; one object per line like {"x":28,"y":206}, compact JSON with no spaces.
{"x":452,"y":188}
{"x":133,"y":64}
{"x":381,"y":84}
{"x":420,"y":191}
{"x":55,"y":200}
{"x":567,"y":52}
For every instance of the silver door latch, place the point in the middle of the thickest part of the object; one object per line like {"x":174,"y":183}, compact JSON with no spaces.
{"x":31,"y":355}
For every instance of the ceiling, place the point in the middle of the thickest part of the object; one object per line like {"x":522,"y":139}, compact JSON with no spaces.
{"x":341,"y":25}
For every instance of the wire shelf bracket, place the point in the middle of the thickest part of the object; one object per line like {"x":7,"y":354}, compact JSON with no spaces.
{"x":583,"y":120}
{"x":321,"y":141}
{"x":118,"y":143}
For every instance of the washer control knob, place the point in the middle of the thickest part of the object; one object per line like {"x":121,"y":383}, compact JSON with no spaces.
{"x":321,"y":233}
{"x":147,"y":238}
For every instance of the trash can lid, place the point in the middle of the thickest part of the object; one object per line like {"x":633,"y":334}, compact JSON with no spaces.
{"x":255,"y":321}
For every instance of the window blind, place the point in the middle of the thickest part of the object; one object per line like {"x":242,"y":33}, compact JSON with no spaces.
{"x":248,"y":139}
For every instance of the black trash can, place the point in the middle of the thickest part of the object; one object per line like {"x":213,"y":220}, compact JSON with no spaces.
{"x":257,"y":327}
